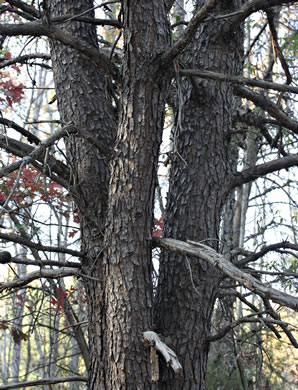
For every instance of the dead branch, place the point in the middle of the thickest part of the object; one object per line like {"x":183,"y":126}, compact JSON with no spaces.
{"x":267,"y":105}
{"x":39,"y":247}
{"x":42,"y":273}
{"x":204,"y":74}
{"x":170,"y":357}
{"x":45,"y":381}
{"x":208,"y":254}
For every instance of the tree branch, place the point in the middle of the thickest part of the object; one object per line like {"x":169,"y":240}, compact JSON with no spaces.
{"x":86,"y":19}
{"x":37,"y":28}
{"x":31,"y":137}
{"x":189,"y":33}
{"x":283,"y":325}
{"x":52,"y":263}
{"x":260,"y":122}
{"x":262,"y":252}
{"x":23,"y":59}
{"x":22,"y":150}
{"x":42,"y":273}
{"x":208,"y":254}
{"x":45,"y":381}
{"x":238,"y":80}
{"x":248,"y":319}
{"x":25,"y":7}
{"x":39,"y":151}
{"x":249,"y":8}
{"x":268,"y":106}
{"x":22,"y":241}
{"x":170,"y":357}
{"x":250,"y":174}
{"x":4,"y":8}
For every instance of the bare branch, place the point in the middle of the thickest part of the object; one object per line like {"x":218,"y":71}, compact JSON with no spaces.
{"x":283,"y":325}
{"x":204,"y":74}
{"x":45,"y":381}
{"x":40,"y":150}
{"x":268,"y":106}
{"x":37,"y":28}
{"x":22,"y":241}
{"x":170,"y":357}
{"x":42,"y":273}
{"x":86,"y":19}
{"x":23,"y":59}
{"x":262,"y":252}
{"x":25,"y":7}
{"x":52,"y":263}
{"x":208,"y":254}
{"x":248,"y":319}
{"x":4,"y":8}
{"x":257,"y":171}
{"x":21,"y":149}
{"x":31,"y":137}
{"x":250,"y":7}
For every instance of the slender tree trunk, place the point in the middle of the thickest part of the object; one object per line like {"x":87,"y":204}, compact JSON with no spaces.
{"x":18,"y":314}
{"x":200,"y":167}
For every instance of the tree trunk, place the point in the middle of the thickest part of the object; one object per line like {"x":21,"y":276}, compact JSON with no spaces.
{"x":128,"y":263}
{"x":120,"y":304}
{"x":200,"y":167}
{"x":81,"y":94}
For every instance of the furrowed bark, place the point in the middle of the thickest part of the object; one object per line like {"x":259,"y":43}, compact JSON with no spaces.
{"x":82,"y":91}
{"x":199,"y":170}
{"x":128,"y":285}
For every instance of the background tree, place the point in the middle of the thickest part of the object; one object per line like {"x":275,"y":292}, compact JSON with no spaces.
{"x":112,"y":101}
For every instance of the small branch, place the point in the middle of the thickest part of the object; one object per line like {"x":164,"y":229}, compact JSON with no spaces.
{"x":85,"y":19}
{"x":248,"y":319}
{"x":31,"y":137}
{"x":42,"y":273}
{"x":204,"y":74}
{"x":255,"y":120}
{"x":271,"y":14}
{"x":45,"y":381}
{"x":65,"y":131}
{"x":37,"y":28}
{"x":12,"y":10}
{"x":52,"y":263}
{"x":25,"y":7}
{"x":268,"y":106}
{"x":22,"y":241}
{"x":23,"y":59}
{"x":170,"y":357}
{"x":283,"y":325}
{"x":22,"y":150}
{"x":262,"y":252}
{"x":208,"y":254}
{"x":250,"y":174}
{"x":249,"y":8}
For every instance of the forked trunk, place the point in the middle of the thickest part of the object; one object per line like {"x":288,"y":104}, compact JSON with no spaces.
{"x":200,"y":167}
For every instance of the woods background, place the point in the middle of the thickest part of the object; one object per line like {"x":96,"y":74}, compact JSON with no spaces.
{"x":148,"y":194}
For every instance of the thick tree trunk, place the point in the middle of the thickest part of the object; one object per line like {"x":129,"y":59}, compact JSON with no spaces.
{"x":82,"y":100}
{"x":120,"y":300}
{"x":128,"y":268}
{"x":200,"y":166}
